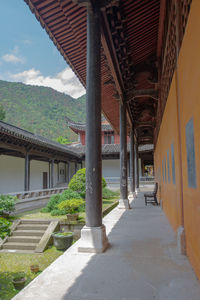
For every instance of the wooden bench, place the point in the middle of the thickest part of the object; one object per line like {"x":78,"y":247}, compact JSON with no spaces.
{"x":152,"y":197}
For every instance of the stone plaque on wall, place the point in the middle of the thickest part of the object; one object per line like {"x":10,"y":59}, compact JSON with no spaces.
{"x":165,"y":171}
{"x":168,"y":173}
{"x":173,"y":164}
{"x":191,"y":161}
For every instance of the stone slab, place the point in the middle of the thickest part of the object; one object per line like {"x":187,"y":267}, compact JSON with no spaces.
{"x":142,"y":263}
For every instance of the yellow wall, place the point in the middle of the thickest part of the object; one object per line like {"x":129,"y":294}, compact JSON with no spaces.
{"x":185,"y":87}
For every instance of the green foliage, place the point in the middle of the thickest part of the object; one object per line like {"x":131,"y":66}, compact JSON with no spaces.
{"x":104,"y":184}
{"x":2,"y":113}
{"x":108,"y":194}
{"x":18,"y":276}
{"x":44,"y":210}
{"x":78,"y":182}
{"x":58,"y":212}
{"x":69,"y":194}
{"x":41,"y":110}
{"x":71,"y":206}
{"x":7,"y":204}
{"x":4,"y":227}
{"x":62,"y":140}
{"x":69,"y":233}
{"x":56,"y":199}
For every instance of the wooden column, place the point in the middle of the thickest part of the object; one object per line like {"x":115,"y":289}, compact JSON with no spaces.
{"x":68,"y":172}
{"x":52,"y":173}
{"x":58,"y":172}
{"x":93,"y":236}
{"x":27,"y":173}
{"x":132,"y":163}
{"x":123,"y":202}
{"x":65,"y":172}
{"x":49,"y":175}
{"x":136,"y":167}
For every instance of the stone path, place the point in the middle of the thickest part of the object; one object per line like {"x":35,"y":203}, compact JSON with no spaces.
{"x":142,"y":263}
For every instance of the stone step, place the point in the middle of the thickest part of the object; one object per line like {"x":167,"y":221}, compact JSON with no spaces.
{"x":20,"y":246}
{"x":24,"y":239}
{"x":28,"y":233}
{"x":47,"y":222}
{"x":17,"y":251}
{"x":32,"y":227}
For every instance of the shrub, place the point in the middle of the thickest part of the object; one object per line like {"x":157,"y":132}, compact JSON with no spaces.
{"x":53,"y":202}
{"x":78,"y":182}
{"x":56,"y":199}
{"x":69,"y":194}
{"x":4,"y":228}
{"x":58,"y":212}
{"x":44,"y":210}
{"x":107,"y":193}
{"x":71,"y":206}
{"x":7,"y":204}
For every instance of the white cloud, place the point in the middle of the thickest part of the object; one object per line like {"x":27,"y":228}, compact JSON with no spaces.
{"x":27,"y":42}
{"x":12,"y":58}
{"x":65,"y":81}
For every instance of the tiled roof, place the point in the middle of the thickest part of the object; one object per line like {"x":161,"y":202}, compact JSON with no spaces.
{"x":108,"y":148}
{"x":74,"y":149}
{"x":32,"y":138}
{"x":82,"y":127}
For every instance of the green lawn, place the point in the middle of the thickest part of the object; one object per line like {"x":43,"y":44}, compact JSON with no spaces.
{"x":36,"y":214}
{"x":10,"y":263}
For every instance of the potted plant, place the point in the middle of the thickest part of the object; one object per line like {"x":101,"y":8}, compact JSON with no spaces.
{"x":62,"y":240}
{"x":19,"y":280}
{"x":34,"y":268}
{"x":71,"y":208}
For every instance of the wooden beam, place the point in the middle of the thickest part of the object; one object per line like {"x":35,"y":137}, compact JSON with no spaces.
{"x":161,"y":27}
{"x":142,"y":93}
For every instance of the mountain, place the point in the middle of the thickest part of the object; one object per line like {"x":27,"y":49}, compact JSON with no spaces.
{"x":41,"y":110}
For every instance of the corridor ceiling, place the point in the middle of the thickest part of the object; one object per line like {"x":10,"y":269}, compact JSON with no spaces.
{"x":131,"y":34}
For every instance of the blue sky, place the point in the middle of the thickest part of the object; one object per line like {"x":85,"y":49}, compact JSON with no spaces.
{"x":28,"y":55}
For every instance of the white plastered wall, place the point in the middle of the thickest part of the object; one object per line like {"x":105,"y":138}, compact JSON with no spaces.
{"x":36,"y":174}
{"x":111,"y":167}
{"x":11,"y":174}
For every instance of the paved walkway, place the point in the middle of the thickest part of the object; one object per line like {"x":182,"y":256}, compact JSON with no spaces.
{"x":142,"y":263}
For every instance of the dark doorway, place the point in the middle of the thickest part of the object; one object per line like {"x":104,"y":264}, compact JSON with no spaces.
{"x":45,"y":176}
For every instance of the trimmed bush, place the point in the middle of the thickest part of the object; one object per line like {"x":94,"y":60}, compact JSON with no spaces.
{"x":56,"y":199}
{"x":78,"y":182}
{"x":4,"y":227}
{"x":69,"y":194}
{"x":7,"y":204}
{"x":107,"y":193}
{"x":53,"y":202}
{"x":71,"y":206}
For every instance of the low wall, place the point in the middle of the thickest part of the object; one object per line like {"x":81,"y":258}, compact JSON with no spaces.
{"x":34,"y":199}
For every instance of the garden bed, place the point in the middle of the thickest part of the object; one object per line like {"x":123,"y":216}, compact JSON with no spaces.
{"x":108,"y":205}
{"x":12,"y":263}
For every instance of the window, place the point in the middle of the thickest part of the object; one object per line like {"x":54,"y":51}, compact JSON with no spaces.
{"x":109,"y":137}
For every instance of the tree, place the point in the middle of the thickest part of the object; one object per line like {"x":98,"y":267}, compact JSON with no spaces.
{"x":2,"y":113}
{"x":62,"y":140}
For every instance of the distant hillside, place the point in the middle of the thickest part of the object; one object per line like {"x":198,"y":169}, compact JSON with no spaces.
{"x":41,"y":110}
